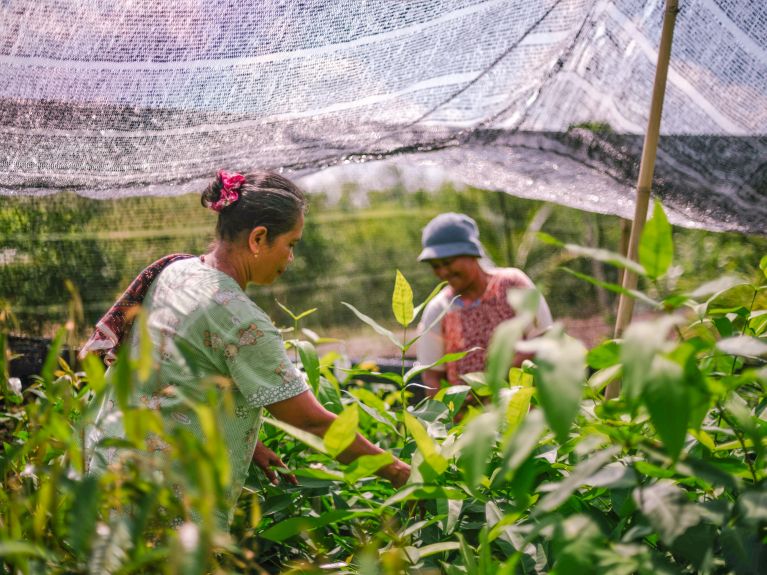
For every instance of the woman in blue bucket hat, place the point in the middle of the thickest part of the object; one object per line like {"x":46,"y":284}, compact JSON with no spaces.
{"x":475,"y":295}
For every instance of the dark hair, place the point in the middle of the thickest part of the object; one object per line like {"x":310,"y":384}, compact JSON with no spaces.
{"x":265,"y":199}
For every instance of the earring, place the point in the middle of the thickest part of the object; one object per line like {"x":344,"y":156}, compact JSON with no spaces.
{"x":256,"y":254}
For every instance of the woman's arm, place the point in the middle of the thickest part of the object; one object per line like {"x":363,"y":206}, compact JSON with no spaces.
{"x":305,"y":412}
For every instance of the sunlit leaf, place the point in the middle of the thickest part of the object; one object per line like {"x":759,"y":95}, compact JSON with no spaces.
{"x":744,"y":296}
{"x":744,"y":346}
{"x":372,"y":323}
{"x":304,"y":436}
{"x":517,"y":407}
{"x":476,"y":443}
{"x":367,"y":465}
{"x":342,"y":431}
{"x":519,"y":445}
{"x":402,"y":300}
{"x":434,"y":548}
{"x":144,"y":361}
{"x":295,"y":525}
{"x":447,"y":358}
{"x":518,"y":377}
{"x":656,"y":247}
{"x":604,"y":355}
{"x":411,"y":492}
{"x":502,"y":349}
{"x":605,"y":256}
{"x":311,"y":363}
{"x":561,"y":364}
{"x":431,"y":296}
{"x":615,"y":288}
{"x":426,"y":445}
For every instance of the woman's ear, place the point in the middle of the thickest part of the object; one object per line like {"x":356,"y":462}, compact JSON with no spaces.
{"x":257,"y":238}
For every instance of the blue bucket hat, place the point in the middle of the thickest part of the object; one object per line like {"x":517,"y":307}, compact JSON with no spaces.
{"x":449,"y":235}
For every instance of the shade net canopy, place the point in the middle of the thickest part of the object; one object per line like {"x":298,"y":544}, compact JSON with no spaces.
{"x":546,"y":99}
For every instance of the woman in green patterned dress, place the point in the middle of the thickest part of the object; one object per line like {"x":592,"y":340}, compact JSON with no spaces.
{"x":203,"y":325}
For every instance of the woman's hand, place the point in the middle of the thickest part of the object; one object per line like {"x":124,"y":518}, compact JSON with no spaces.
{"x":265,"y":459}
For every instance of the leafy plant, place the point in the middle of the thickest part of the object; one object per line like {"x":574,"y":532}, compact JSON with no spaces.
{"x":543,"y":476}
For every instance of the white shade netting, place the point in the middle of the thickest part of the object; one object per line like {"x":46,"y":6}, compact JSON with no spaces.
{"x":120,"y":97}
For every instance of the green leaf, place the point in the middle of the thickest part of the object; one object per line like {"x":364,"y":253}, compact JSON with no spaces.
{"x":667,"y":509}
{"x":94,"y":370}
{"x":641,"y":342}
{"x":434,"y":548}
{"x":402,"y":300}
{"x":52,"y":359}
{"x":520,"y":445}
{"x":668,"y":402}
{"x":342,"y":431}
{"x":518,"y":377}
{"x":295,"y":525}
{"x":763,"y":265}
{"x":615,"y":288}
{"x":293,"y":316}
{"x":656,"y":247}
{"x":367,"y":465}
{"x":82,"y":521}
{"x":447,"y":358}
{"x":561,"y":377}
{"x":426,"y":445}
{"x":22,"y":549}
{"x":418,"y":492}
{"x":145,"y":360}
{"x":744,"y":346}
{"x":304,"y":436}
{"x":606,"y":256}
{"x":311,"y":363}
{"x":475,"y":444}
{"x":286,"y":310}
{"x":578,"y":476}
{"x":518,"y":406}
{"x":372,"y":323}
{"x":604,"y":355}
{"x":501,"y":351}
{"x":738,"y":296}
{"x":432,"y":295}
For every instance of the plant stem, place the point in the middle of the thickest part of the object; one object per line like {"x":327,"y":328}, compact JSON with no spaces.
{"x":741,"y":440}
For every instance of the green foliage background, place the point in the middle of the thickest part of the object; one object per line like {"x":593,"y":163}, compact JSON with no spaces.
{"x":349,"y":250}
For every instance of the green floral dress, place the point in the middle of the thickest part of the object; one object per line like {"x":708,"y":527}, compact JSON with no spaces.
{"x":205,"y":333}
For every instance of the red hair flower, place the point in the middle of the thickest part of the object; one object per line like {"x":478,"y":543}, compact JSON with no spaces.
{"x":230,"y":184}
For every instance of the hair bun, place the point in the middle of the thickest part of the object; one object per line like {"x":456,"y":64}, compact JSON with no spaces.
{"x":224,"y":191}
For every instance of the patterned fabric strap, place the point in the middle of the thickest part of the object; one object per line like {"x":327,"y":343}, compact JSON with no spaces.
{"x":115,"y":325}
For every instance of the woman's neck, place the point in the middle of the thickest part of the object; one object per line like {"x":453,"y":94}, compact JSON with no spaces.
{"x":224,"y":258}
{"x":477,"y":288}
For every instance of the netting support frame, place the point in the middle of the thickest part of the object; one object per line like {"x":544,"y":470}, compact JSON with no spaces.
{"x":644,"y":181}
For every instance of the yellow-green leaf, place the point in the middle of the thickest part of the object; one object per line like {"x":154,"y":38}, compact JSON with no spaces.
{"x":402,"y":300}
{"x":656,"y":247}
{"x":518,"y":377}
{"x":342,"y":431}
{"x":426,"y":445}
{"x":144,"y":360}
{"x":519,"y":405}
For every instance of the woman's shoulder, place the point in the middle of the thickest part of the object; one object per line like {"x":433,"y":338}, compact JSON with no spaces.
{"x":511,"y":277}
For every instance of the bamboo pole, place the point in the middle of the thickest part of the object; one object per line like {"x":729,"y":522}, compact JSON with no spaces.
{"x":646,"y":169}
